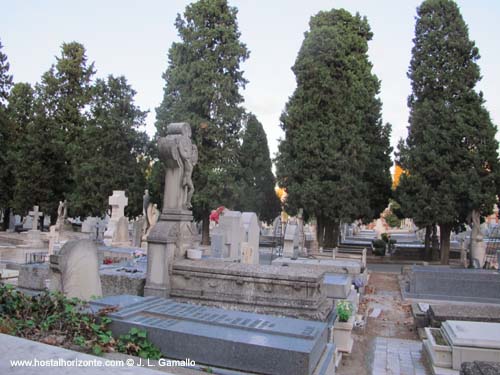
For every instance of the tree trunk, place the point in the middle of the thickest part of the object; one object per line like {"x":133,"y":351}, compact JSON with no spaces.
{"x":435,"y":243}
{"x":427,"y":242}
{"x":336,"y":234}
{"x":445,"y":242}
{"x":205,"y":229}
{"x":327,"y":243}
{"x":331,"y":234}
{"x":6,"y":219}
{"x":320,"y":230}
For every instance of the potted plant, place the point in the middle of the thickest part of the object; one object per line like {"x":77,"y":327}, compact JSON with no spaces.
{"x":343,"y":326}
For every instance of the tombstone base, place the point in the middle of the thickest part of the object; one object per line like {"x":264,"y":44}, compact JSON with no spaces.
{"x":170,"y":238}
{"x":34,"y":239}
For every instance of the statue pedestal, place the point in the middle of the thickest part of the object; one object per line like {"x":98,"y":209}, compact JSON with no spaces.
{"x":170,"y":238}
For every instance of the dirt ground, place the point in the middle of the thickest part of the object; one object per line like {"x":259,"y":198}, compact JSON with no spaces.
{"x":394,"y":321}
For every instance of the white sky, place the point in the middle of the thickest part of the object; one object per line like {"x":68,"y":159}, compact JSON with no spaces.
{"x":132,"y":38}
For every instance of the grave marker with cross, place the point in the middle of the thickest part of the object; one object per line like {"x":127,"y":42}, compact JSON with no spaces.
{"x":36,"y":215}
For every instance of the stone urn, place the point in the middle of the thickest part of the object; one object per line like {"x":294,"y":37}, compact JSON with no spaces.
{"x":342,"y":334}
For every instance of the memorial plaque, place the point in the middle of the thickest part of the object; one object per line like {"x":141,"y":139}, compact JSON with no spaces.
{"x":222,"y":338}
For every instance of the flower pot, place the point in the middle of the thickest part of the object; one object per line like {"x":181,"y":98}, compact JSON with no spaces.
{"x":342,"y":335}
{"x":440,"y":352}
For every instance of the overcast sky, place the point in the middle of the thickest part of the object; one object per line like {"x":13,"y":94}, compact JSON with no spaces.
{"x":132,"y":38}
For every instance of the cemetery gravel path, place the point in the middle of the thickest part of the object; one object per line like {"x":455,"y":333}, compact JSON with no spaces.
{"x":392,"y":333}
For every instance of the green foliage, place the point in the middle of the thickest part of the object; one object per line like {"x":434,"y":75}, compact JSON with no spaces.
{"x":113,"y":151}
{"x":379,"y":247}
{"x":5,"y":77}
{"x":450,"y":154}
{"x":257,"y":179}
{"x":335,"y":158}
{"x":392,"y":220}
{"x":6,"y":133}
{"x":202,"y":85}
{"x":156,"y":182}
{"x":390,"y":242}
{"x":344,"y":310}
{"x":74,"y":139}
{"x":135,"y":342}
{"x":51,"y":138}
{"x":54,"y":319}
{"x":37,"y":163}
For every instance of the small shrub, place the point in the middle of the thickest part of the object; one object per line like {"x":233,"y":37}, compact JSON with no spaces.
{"x":379,"y":247}
{"x":344,"y":310}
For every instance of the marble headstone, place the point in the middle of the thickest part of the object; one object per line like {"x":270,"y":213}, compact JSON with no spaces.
{"x":137,"y":231}
{"x":74,"y":270}
{"x":291,"y":241}
{"x":232,"y":226}
{"x":251,"y":234}
{"x":121,"y":235}
{"x":89,"y":225}
{"x":118,"y":201}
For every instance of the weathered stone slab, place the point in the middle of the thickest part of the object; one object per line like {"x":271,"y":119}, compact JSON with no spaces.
{"x":479,"y":313}
{"x":230,"y":339}
{"x":472,"y":334}
{"x":445,"y":283}
{"x":287,"y":291}
{"x":337,"y":286}
{"x":122,"y":280}
{"x":351,"y":267}
{"x":33,"y":276}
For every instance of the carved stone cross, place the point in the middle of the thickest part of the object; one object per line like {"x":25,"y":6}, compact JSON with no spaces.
{"x":36,"y":215}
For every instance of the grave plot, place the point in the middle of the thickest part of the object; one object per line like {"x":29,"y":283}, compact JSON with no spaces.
{"x":457,"y":342}
{"x":222,"y":338}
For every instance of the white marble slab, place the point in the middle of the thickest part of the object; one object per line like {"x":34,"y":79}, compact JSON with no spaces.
{"x":472,"y":334}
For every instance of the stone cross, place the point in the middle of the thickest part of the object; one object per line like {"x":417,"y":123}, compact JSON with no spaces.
{"x":118,"y":201}
{"x":36,"y":214}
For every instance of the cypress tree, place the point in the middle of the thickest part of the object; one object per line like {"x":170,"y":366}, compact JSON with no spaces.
{"x":202,"y":85}
{"x":333,"y":131}
{"x":258,"y":181}
{"x":450,"y":153}
{"x":6,"y":138}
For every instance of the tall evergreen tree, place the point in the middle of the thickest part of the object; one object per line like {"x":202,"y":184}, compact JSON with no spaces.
{"x":55,"y":134}
{"x":335,"y":150}
{"x":258,"y":181}
{"x":202,"y":85}
{"x":450,"y":153}
{"x":113,"y":154}
{"x":6,"y":138}
{"x":5,"y":78}
{"x":36,"y":157}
